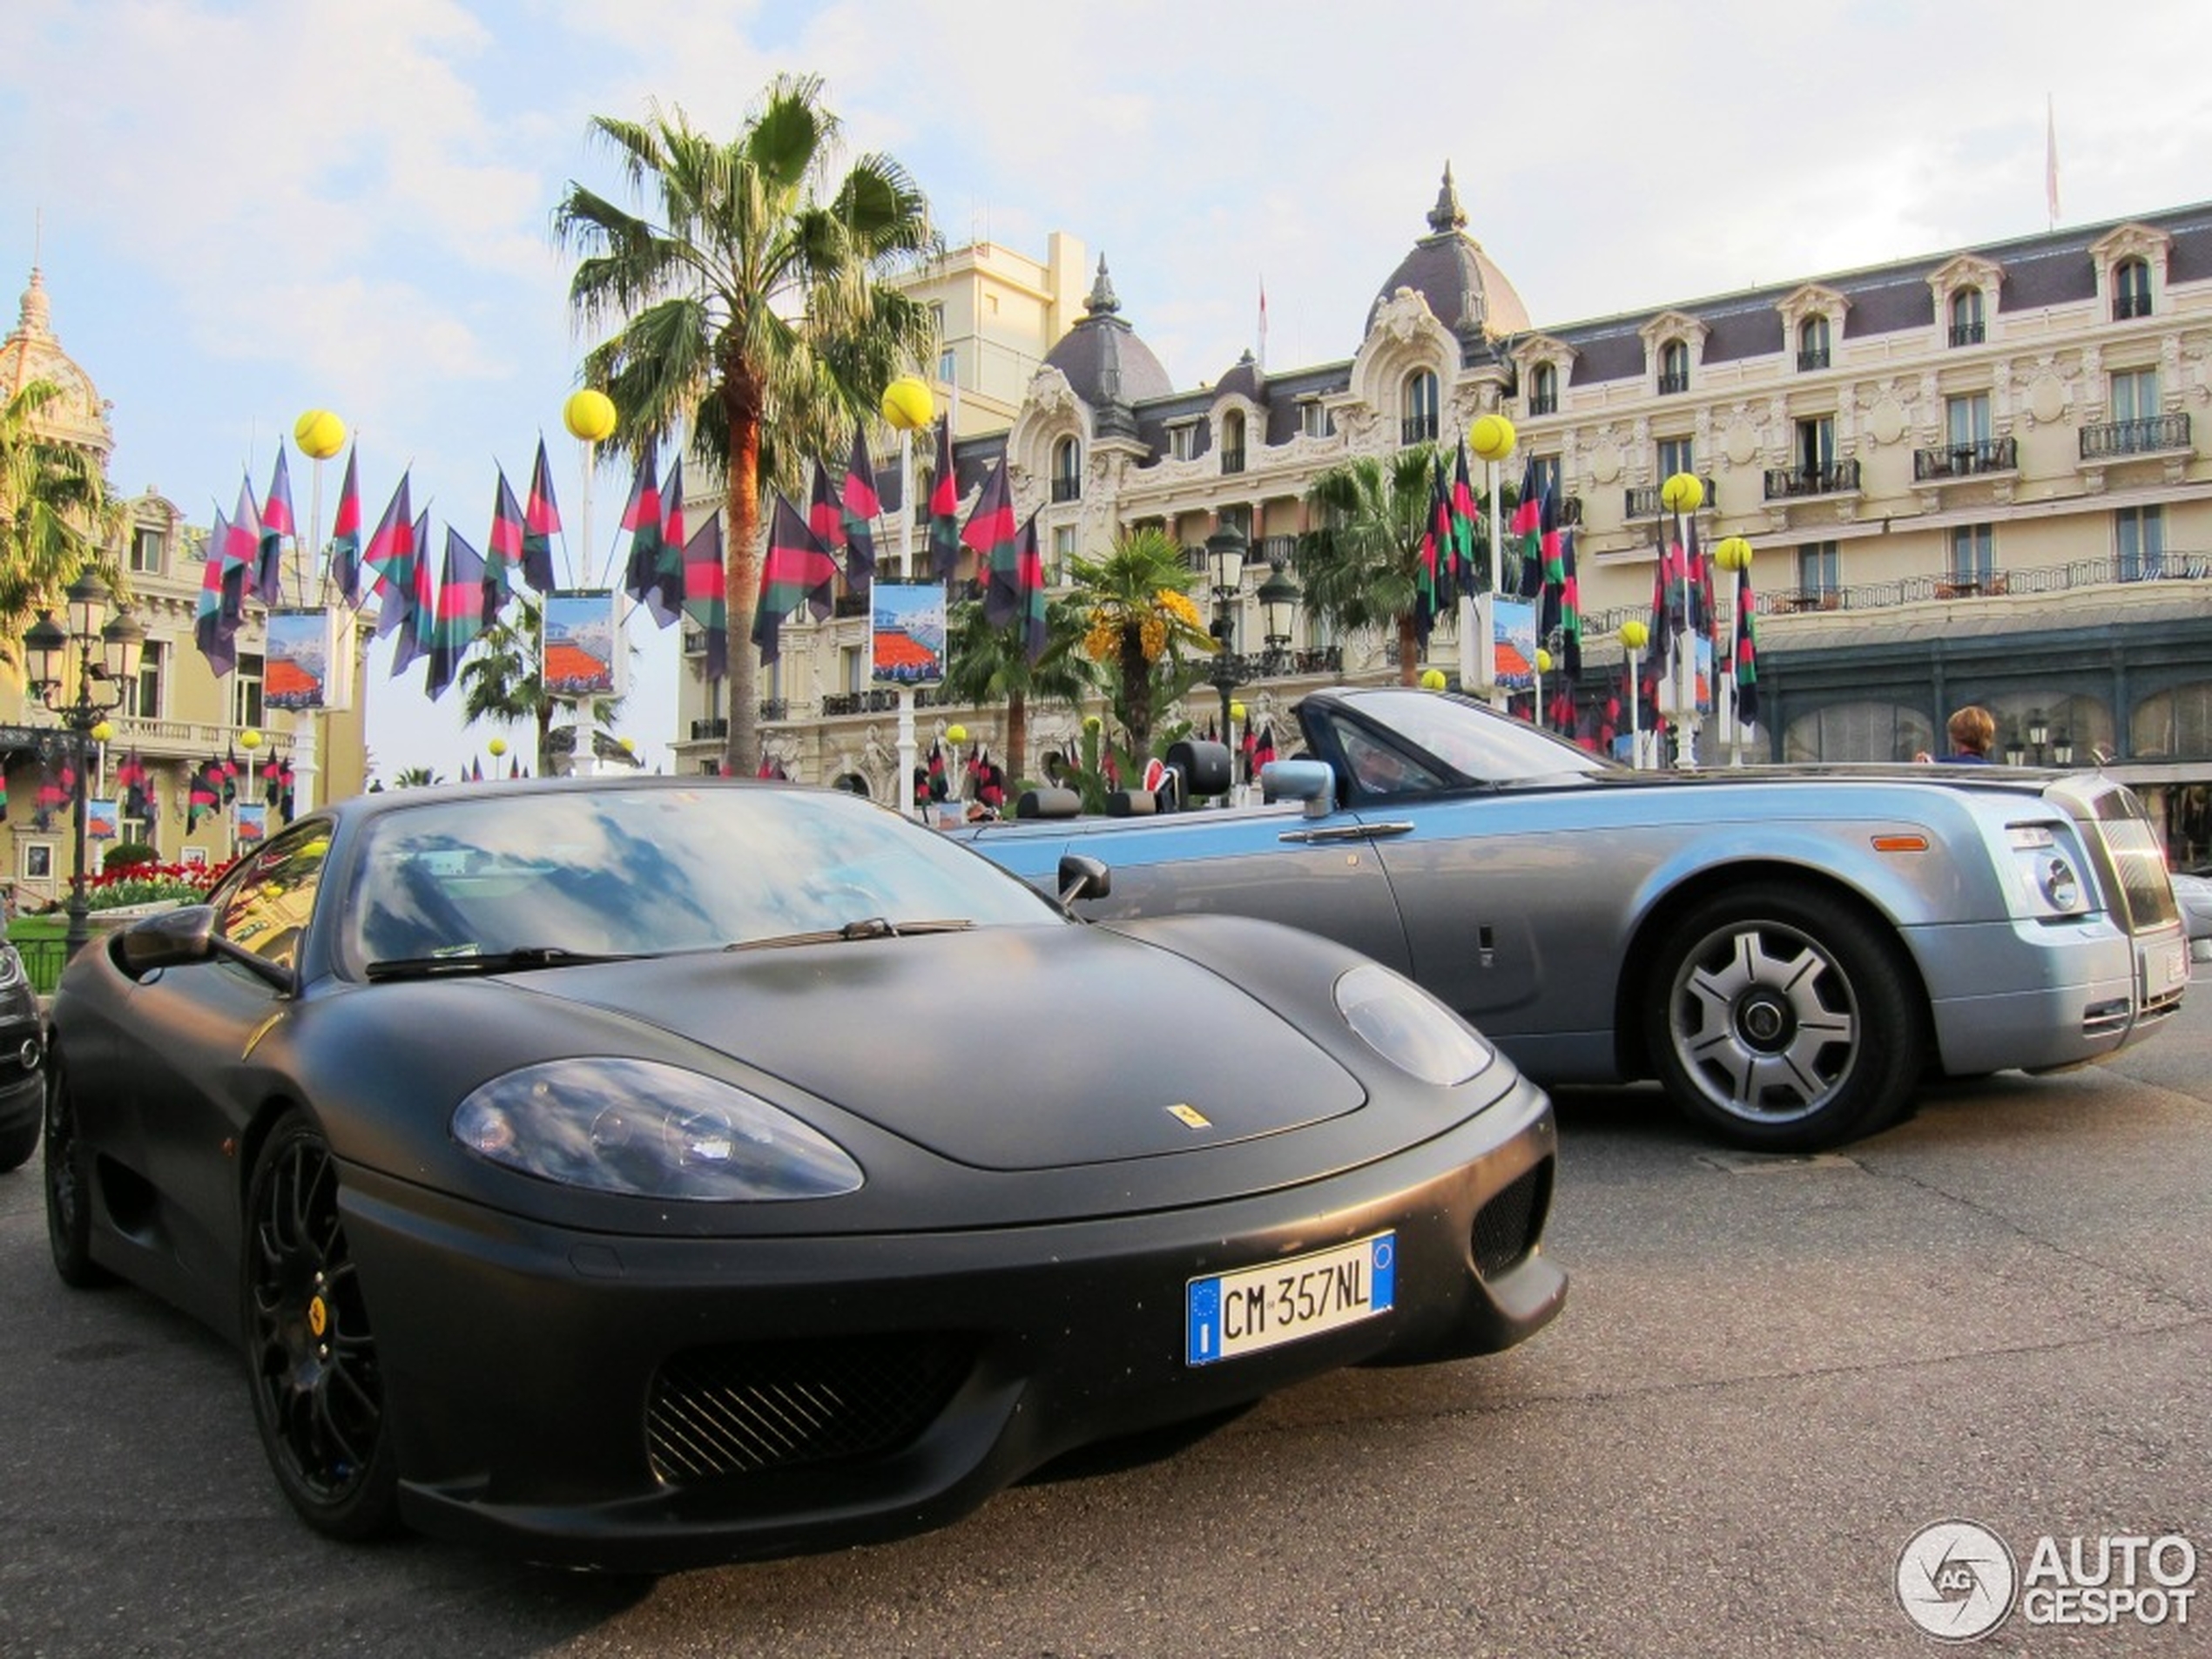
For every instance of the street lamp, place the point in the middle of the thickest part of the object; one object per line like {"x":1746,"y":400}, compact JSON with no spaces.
{"x":2039,"y":732}
{"x":106,"y":652}
{"x":1279,"y":601}
{"x":1226,"y":551}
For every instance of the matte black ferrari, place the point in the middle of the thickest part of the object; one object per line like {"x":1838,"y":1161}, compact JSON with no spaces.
{"x":647,"y":1173}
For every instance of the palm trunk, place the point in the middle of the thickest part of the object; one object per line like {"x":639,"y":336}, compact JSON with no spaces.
{"x":1409,"y":651}
{"x":1136,"y":698}
{"x":741,"y":748}
{"x":1017,"y":737}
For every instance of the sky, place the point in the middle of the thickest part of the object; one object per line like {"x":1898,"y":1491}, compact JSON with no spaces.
{"x":246,"y":210}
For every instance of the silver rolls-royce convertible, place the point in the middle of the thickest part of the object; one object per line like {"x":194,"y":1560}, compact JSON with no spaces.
{"x":1789,"y":951}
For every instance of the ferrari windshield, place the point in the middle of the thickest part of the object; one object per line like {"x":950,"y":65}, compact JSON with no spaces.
{"x":528,"y":875}
{"x":1475,"y":742}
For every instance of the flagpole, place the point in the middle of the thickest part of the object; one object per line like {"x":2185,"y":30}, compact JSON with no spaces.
{"x":1491,"y":438}
{"x":320,"y":434}
{"x":1633,"y":635}
{"x":1733,"y":554}
{"x":907,"y":404}
{"x":1682,"y":494}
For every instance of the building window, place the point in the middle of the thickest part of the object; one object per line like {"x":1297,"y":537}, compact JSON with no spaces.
{"x":1063,"y":548}
{"x":852,"y":669}
{"x":1674,"y":366}
{"x":1973,"y":554}
{"x":1183,"y":441}
{"x":1817,"y":446}
{"x":2131,"y":289}
{"x":1812,"y":343}
{"x":1312,"y":419}
{"x":2135,"y":394}
{"x":146,"y":551}
{"x":948,"y":366}
{"x":1819,"y":571}
{"x":1067,"y":470}
{"x":1543,"y":474}
{"x":1543,"y":390}
{"x":1419,"y":424}
{"x":1232,"y":441}
{"x":1965,"y":420}
{"x":142,"y":697}
{"x":2140,"y":532}
{"x":34,"y":861}
{"x":1675,"y":455}
{"x":1239,"y":515}
{"x":246,"y":691}
{"x":1966,"y":328}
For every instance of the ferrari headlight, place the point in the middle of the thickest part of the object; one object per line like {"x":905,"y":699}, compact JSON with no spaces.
{"x":1409,"y":1027}
{"x":659,"y":1132}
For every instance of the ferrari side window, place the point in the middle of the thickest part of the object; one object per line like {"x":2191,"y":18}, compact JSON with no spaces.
{"x":1380,"y":769}
{"x":267,"y":912}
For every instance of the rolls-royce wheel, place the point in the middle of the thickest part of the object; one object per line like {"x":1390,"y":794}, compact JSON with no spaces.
{"x":1784,"y":1019}
{"x":318,"y":1389}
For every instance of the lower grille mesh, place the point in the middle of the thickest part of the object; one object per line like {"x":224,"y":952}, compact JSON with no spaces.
{"x":750,"y":1407}
{"x":1507,"y":1228}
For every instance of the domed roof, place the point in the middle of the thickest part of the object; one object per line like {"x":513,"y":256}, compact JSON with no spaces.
{"x":32,"y":352}
{"x":1466,"y":293}
{"x":1106,"y":364}
{"x":1243,"y":378}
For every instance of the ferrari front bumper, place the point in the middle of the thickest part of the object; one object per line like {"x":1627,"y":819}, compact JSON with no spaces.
{"x":575,"y":1398}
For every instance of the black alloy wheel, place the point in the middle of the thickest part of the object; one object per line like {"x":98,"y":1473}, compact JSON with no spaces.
{"x":69,"y":1188}
{"x":318,"y":1389}
{"x":1784,"y":1019}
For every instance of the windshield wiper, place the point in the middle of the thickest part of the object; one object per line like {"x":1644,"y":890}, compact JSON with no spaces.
{"x":866,"y":927}
{"x":490,"y":961}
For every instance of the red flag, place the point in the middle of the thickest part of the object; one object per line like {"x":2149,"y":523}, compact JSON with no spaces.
{"x":345,"y":536}
{"x":989,"y":534}
{"x":276,"y":524}
{"x":862,"y":505}
{"x":797,"y":570}
{"x":944,"y":509}
{"x":704,"y":599}
{"x":541,"y":521}
{"x":504,"y":548}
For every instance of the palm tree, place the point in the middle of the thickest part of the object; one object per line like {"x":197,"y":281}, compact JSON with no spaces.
{"x":417,"y":777}
{"x":54,"y":511}
{"x":984,"y":663}
{"x":751,"y":311}
{"x":1359,"y":566}
{"x":1140,"y":621}
{"x":503,"y":681}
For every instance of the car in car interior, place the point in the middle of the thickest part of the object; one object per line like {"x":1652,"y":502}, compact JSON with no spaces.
{"x":1789,"y":951}
{"x":653,"y":1172}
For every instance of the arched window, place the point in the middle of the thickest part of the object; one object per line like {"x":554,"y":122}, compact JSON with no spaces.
{"x":1067,"y":470}
{"x":1419,"y":425}
{"x":1674,"y":366}
{"x":1812,"y":343}
{"x":1232,"y":441}
{"x":1543,"y":390}
{"x":2131,"y":289}
{"x":1966,"y":328}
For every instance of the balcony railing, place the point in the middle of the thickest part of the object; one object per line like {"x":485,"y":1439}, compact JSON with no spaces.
{"x":1965,"y":460}
{"x":1233,"y":460}
{"x":1416,"y":428}
{"x":1276,"y":550}
{"x":1969,"y":333}
{"x":1669,"y":384}
{"x":2128,"y":306}
{"x":2149,"y":435}
{"x":851,"y":605}
{"x":1643,"y":499}
{"x":1809,"y":361}
{"x":1543,"y":403}
{"x":1066,"y":489}
{"x":1786,"y":483}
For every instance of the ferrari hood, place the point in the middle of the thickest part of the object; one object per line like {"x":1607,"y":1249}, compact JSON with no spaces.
{"x":1003,"y":1048}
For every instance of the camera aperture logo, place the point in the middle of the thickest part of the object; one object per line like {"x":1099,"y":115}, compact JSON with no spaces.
{"x":1955,"y":1580}
{"x":1958,"y":1581}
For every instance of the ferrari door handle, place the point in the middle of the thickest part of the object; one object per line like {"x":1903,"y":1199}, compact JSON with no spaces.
{"x":1348,"y":833}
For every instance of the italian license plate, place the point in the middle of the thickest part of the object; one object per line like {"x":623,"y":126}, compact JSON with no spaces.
{"x":2168,"y":966}
{"x":1255,"y":1308}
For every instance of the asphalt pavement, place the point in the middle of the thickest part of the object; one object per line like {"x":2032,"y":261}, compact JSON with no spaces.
{"x":1770,"y":1375}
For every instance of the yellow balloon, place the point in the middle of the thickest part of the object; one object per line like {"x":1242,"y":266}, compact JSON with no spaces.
{"x":103,"y":731}
{"x":1543,"y":660}
{"x":249,"y":740}
{"x":1733,"y":554}
{"x":1432,"y":679}
{"x":1682,"y":493}
{"x":1490,"y":437}
{"x":589,"y":415}
{"x":909,"y":405}
{"x":1635,"y":636}
{"x":956,"y":734}
{"x":498,"y":747}
{"x":320,"y":433}
{"x":1236,"y":710}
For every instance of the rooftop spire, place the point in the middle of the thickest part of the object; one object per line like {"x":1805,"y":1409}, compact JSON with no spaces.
{"x":1447,"y":214}
{"x":1101,"y":302}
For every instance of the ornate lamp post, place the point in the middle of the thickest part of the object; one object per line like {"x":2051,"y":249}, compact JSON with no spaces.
{"x":1279,"y":602}
{"x":1226,"y":551}
{"x":106,"y":652}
